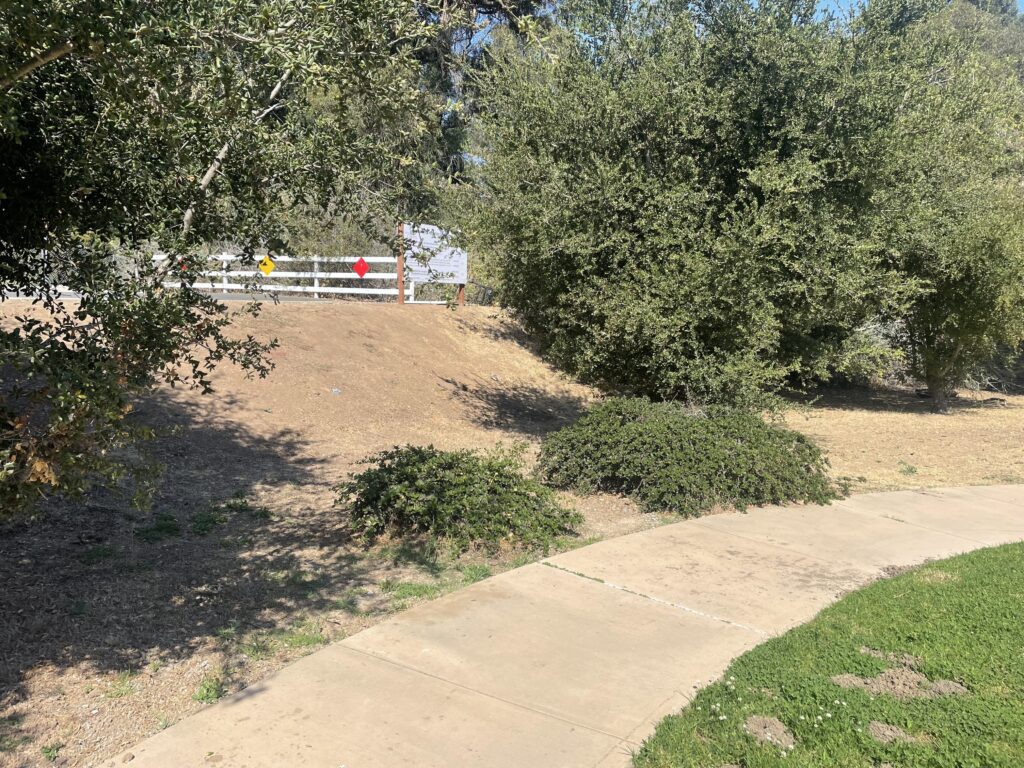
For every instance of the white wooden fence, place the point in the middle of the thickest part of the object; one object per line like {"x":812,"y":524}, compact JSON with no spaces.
{"x":326,"y":276}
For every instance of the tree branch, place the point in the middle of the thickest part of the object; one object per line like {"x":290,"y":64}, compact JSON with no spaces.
{"x":218,"y":161}
{"x":44,"y":58}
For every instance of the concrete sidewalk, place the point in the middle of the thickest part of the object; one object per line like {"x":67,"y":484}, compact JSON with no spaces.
{"x":572,"y":661}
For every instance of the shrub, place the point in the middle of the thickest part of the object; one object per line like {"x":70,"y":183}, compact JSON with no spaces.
{"x":671,"y":458}
{"x":664,"y":207}
{"x":463,"y":498}
{"x":701,"y":200}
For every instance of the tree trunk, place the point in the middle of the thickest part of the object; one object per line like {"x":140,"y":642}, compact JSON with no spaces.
{"x":937,"y":388}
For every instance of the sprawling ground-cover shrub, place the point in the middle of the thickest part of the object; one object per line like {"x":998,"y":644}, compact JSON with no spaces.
{"x":670,"y":457}
{"x":461,"y":498}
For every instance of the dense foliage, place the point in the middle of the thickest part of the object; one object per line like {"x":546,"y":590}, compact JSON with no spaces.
{"x":946,"y":168}
{"x":128,"y":127}
{"x":463,"y":30}
{"x":703,"y":201}
{"x":459,"y":498}
{"x":669,"y":457}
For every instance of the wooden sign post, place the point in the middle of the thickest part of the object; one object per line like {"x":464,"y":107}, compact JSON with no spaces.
{"x":400,"y":263}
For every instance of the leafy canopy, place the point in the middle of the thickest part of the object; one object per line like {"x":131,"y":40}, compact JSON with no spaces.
{"x":128,"y":127}
{"x":945,"y":160}
{"x":700,"y":201}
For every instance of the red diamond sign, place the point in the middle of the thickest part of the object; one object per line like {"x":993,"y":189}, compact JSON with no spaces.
{"x":361,"y":267}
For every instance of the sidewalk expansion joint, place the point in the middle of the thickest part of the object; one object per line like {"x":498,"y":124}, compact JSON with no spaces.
{"x":852,"y":563}
{"x":936,"y":493}
{"x":894,"y":517}
{"x":668,"y":603}
{"x":929,"y":528}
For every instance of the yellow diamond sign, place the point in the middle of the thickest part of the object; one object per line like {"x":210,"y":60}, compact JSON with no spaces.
{"x":266,"y":265}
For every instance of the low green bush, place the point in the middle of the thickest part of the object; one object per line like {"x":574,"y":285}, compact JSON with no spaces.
{"x":672,"y":458}
{"x":461,"y":498}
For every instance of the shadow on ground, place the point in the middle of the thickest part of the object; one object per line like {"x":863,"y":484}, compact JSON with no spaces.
{"x":890,"y":400}
{"x":101,"y":583}
{"x":518,"y":408}
{"x":506,"y":331}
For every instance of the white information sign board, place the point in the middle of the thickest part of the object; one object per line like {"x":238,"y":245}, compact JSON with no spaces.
{"x":430,"y":257}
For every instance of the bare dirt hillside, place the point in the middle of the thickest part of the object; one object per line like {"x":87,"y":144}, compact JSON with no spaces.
{"x":352,"y":378}
{"x":116,"y":622}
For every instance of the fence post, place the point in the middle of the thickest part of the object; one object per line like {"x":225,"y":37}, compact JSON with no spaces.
{"x":400,"y":262}
{"x":223,"y":275}
{"x":316,"y":276}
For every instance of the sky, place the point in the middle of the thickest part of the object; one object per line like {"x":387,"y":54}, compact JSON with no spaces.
{"x":843,"y":5}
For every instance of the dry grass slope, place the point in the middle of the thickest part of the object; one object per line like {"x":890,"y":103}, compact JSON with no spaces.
{"x":891,"y":440}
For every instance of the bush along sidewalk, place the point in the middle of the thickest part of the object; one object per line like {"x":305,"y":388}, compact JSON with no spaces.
{"x":672,"y":458}
{"x":459,"y":499}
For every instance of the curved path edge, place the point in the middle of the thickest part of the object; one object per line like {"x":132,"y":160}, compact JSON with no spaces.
{"x":572,"y":661}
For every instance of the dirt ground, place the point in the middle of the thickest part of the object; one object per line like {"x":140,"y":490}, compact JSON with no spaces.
{"x":117,"y":623}
{"x":888,"y":440}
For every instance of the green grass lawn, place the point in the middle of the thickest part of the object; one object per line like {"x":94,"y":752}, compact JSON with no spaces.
{"x":963,"y":620}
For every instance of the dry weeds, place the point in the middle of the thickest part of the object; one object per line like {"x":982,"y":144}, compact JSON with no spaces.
{"x":889,"y":440}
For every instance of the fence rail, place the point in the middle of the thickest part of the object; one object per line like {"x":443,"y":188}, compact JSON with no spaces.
{"x":323,"y":282}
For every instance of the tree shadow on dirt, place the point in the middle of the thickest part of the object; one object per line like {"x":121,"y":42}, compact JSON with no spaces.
{"x":100,"y":582}
{"x":510,"y":330}
{"x":889,"y":400}
{"x":519,"y":408}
